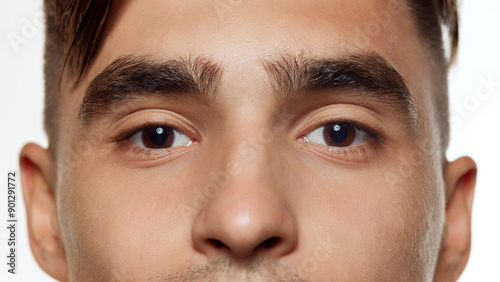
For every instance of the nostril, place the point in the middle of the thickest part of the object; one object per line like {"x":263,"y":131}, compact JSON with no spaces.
{"x":216,"y":243}
{"x":271,"y":242}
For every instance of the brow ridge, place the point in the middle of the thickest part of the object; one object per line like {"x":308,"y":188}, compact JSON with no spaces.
{"x":368,"y":75}
{"x":130,"y":77}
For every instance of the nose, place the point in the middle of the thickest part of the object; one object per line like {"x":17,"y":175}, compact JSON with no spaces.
{"x":248,"y":218}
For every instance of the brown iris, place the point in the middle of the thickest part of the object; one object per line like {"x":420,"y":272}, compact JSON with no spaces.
{"x":157,"y":137}
{"x":339,"y":134}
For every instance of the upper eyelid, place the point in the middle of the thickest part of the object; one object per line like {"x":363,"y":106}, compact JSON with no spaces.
{"x":154,"y":116}
{"x":184,"y":126}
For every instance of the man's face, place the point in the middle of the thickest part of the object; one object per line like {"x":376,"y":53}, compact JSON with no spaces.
{"x":287,"y":161}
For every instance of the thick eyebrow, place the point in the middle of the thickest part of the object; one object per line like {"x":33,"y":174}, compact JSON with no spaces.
{"x":131,"y":77}
{"x":368,"y":75}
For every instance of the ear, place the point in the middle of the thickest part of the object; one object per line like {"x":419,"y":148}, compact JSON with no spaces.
{"x":460,"y":181}
{"x":38,"y":180}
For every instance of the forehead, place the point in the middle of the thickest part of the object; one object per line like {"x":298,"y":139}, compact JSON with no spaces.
{"x":238,"y":34}
{"x":229,"y":28}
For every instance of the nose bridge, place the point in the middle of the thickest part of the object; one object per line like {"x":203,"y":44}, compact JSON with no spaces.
{"x":245,"y":152}
{"x":249,"y":158}
{"x":247,"y":216}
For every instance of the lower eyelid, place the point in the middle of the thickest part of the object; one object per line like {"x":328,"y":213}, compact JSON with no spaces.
{"x":145,"y":157}
{"x":358,"y":153}
{"x":150,"y":152}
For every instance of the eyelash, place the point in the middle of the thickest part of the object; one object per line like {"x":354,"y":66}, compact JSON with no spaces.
{"x":123,"y":138}
{"x":349,"y":150}
{"x":359,"y":125}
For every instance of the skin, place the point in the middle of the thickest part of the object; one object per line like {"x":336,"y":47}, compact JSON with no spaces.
{"x":102,"y":212}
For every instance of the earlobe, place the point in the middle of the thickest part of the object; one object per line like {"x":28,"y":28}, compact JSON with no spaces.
{"x":38,"y":180}
{"x":460,"y":181}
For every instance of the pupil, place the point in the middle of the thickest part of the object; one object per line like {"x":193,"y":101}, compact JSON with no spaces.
{"x":158,"y":136}
{"x":339,"y":133}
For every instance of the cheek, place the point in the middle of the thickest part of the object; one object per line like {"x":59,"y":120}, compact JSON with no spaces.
{"x":109,"y":209}
{"x":377,"y":223}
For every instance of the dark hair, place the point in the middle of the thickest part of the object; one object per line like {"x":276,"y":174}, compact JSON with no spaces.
{"x":74,"y":33}
{"x":75,"y":28}
{"x":430,"y":16}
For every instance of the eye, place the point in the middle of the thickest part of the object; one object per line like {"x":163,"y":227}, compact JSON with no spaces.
{"x":338,"y":134}
{"x":159,"y":137}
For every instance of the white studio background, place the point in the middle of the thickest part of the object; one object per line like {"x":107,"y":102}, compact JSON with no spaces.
{"x":474,"y":101}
